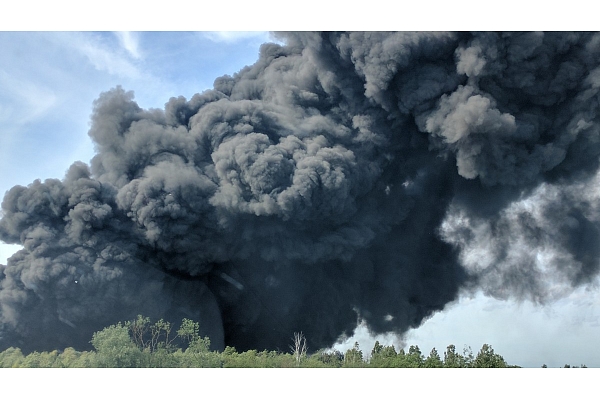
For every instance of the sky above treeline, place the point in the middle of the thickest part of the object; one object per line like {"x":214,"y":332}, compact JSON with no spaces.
{"x":50,"y":80}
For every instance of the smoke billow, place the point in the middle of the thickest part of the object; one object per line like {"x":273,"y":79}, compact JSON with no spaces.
{"x":342,"y":176}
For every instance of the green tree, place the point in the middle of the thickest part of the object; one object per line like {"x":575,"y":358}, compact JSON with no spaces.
{"x":228,"y":355}
{"x":377,"y":348}
{"x":115,"y":348}
{"x":330,"y":358}
{"x":401,"y":360}
{"x":468,"y":357}
{"x":382,"y":356}
{"x":246,"y":359}
{"x":40,"y":360}
{"x":434,"y":360}
{"x":68,"y":358}
{"x":141,"y":343}
{"x":354,"y":357}
{"x":87,"y":359}
{"x":414,"y":357}
{"x":315,"y":360}
{"x":11,"y":358}
{"x":149,"y":336}
{"x":189,"y":330}
{"x":197,"y":353}
{"x":487,"y":358}
{"x":452,"y":359}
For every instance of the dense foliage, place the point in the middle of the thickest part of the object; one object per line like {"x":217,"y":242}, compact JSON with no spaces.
{"x":143,"y":344}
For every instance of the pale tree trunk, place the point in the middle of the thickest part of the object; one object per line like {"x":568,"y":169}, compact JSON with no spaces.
{"x":299,"y":347}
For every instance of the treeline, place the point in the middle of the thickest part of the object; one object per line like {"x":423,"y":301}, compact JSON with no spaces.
{"x":142,"y":344}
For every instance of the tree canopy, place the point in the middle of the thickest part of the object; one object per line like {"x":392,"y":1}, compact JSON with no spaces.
{"x":143,"y":343}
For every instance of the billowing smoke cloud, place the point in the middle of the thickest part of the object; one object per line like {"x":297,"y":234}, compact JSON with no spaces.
{"x":342,"y":176}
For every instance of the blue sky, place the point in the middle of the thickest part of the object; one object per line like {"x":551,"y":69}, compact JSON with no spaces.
{"x":48,"y":82}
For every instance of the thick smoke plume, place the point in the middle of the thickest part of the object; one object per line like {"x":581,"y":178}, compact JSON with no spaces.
{"x":342,"y":176}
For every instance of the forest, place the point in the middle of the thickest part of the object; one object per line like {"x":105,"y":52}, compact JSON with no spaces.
{"x":141,"y":343}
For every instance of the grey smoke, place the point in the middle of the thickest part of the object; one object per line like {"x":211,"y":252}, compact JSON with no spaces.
{"x":344,"y":175}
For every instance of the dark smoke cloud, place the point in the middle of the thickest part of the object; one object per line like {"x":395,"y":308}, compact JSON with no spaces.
{"x":342,"y":176}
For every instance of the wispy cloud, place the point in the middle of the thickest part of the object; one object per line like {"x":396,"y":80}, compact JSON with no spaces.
{"x":130,"y":42}
{"x":104,"y":57}
{"x":235,"y":36}
{"x":25,"y":100}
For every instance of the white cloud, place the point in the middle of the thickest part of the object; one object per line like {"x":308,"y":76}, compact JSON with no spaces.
{"x":102,"y":56}
{"x":367,"y":341}
{"x":130,"y":42}
{"x":23,"y":100}
{"x":523,"y":333}
{"x":235,"y":36}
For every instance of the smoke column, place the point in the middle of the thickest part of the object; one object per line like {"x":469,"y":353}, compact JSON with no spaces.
{"x":343,"y":176}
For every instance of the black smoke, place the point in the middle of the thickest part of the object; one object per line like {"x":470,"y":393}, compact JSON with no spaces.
{"x":343,"y":176}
